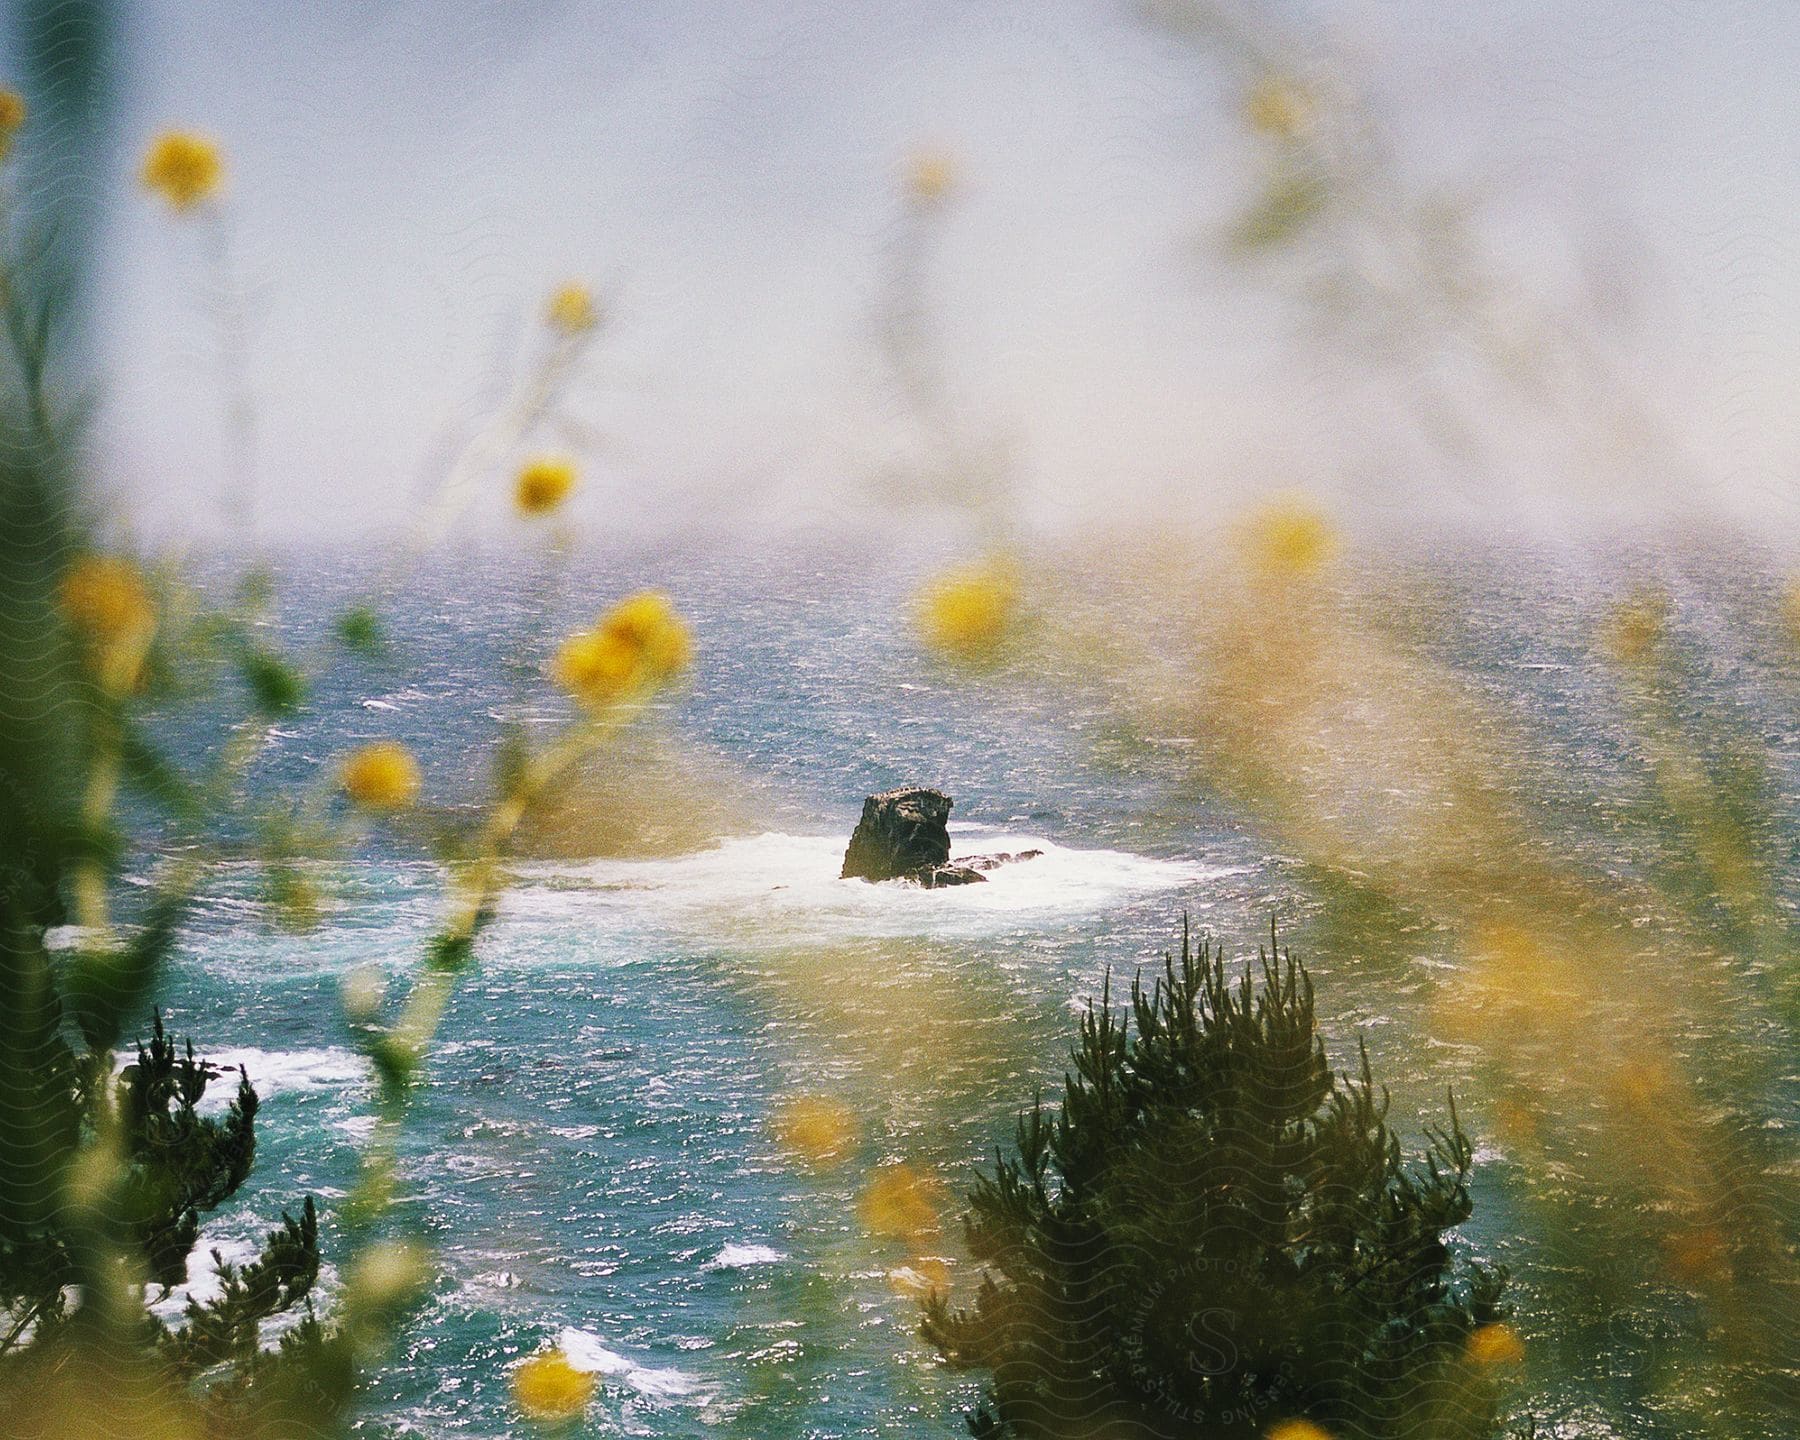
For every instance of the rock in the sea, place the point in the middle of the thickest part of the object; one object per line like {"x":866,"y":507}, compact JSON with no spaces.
{"x":902,"y":833}
{"x":905,"y":835}
{"x":994,"y":862}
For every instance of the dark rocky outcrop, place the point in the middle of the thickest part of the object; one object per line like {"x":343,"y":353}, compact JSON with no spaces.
{"x":904,"y":834}
{"x":994,"y":862}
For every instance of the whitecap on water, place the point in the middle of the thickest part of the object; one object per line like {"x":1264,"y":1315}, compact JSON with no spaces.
{"x":740,"y":1257}
{"x":585,"y":1351}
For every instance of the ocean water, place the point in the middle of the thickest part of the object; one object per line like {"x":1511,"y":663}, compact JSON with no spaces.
{"x":591,"y":1157}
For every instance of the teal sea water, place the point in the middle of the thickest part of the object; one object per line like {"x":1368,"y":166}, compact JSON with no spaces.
{"x":592,"y":1157}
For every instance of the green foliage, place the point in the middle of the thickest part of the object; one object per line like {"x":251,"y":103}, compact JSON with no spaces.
{"x":179,"y":1163}
{"x":101,"y":987}
{"x":177,"y":1167}
{"x":360,"y":631}
{"x":39,"y":747}
{"x":255,"y":590}
{"x":450,"y":952}
{"x":1215,"y":1233}
{"x":1291,"y":202}
{"x":225,"y":1330}
{"x":275,"y":686}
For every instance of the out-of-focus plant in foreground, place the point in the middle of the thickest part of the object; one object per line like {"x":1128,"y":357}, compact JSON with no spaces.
{"x":107,"y":1179}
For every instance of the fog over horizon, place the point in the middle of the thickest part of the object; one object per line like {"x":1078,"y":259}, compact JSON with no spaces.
{"x":407,"y":182}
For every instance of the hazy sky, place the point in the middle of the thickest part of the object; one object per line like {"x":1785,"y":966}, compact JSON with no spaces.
{"x":408,"y":179}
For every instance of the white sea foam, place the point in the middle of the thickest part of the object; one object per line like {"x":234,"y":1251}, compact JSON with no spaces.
{"x":394,"y":700}
{"x":586,"y":1351}
{"x":741,"y":1257}
{"x":280,"y":1072}
{"x":202,"y":1282}
{"x":781,"y":885}
{"x":331,"y":1069}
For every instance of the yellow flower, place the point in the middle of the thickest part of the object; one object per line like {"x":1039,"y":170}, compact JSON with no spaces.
{"x":1635,"y":630}
{"x":900,"y":1204}
{"x":634,"y":647}
{"x":572,"y":310}
{"x":547,"y":1387}
{"x":650,"y":623}
{"x":966,"y":614}
{"x":184,"y":167}
{"x":819,"y":1130}
{"x":543,"y":484}
{"x":104,"y":597}
{"x":1278,"y":107}
{"x":1297,"y":1430}
{"x":1495,"y":1345}
{"x":930,"y":177}
{"x":12,"y":119}
{"x":381,"y":776}
{"x":595,"y":667}
{"x":1288,"y":539}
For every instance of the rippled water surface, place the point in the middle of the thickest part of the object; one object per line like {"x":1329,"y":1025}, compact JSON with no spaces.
{"x":592,"y":1156}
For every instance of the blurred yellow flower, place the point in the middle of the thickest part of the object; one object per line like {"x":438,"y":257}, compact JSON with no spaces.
{"x":1790,"y":609}
{"x":1636,"y":627}
{"x":1698,"y":1255}
{"x":1494,"y":1345}
{"x":387,"y":1275}
{"x":543,"y":484}
{"x":967,"y":614}
{"x":820,"y":1130}
{"x":362,"y":992}
{"x":295,"y":897}
{"x":595,"y":667}
{"x":1279,"y":107}
{"x":635,"y":646}
{"x":1515,"y":1122}
{"x":1514,"y":979}
{"x":1288,"y":539}
{"x":930,"y":177}
{"x":900,"y":1204}
{"x":547,"y":1387}
{"x":184,"y":167}
{"x":104,"y":598}
{"x":921,"y":1276}
{"x":381,"y":776}
{"x":1296,"y":1430}
{"x":572,"y":310}
{"x":1647,"y":1086}
{"x":12,"y":119}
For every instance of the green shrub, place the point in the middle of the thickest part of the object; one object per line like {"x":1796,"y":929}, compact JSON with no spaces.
{"x":1216,"y":1234}
{"x":177,"y":1166}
